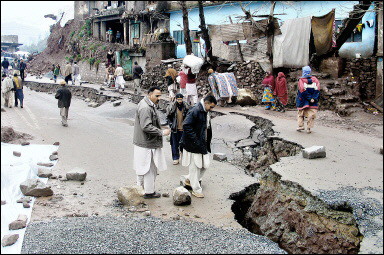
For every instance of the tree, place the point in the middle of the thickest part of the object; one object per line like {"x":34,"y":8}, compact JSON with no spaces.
{"x":204,"y":31}
{"x":187,"y":37}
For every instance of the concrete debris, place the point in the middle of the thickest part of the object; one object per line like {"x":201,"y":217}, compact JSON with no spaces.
{"x":314,"y":152}
{"x":9,"y":239}
{"x":36,"y":188}
{"x":220,"y":156}
{"x":45,"y":164}
{"x":117,"y":103}
{"x":44,"y":172}
{"x":20,"y":223}
{"x":16,"y":153}
{"x":76,"y":174}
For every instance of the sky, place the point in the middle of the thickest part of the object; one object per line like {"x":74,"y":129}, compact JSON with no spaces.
{"x":26,"y":18}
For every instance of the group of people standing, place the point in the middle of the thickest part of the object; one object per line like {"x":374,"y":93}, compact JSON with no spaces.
{"x":187,"y":81}
{"x":18,"y":66}
{"x":275,"y":96}
{"x":114,"y":76}
{"x":191,"y":133}
{"x":11,"y":91}
{"x":70,"y":73}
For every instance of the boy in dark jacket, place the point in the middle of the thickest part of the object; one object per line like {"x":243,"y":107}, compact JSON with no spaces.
{"x":64,"y":95}
{"x":176,"y":113}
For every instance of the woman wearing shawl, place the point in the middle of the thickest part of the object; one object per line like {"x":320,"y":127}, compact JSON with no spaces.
{"x":281,"y":92}
{"x":307,"y":99}
{"x":269,"y":87}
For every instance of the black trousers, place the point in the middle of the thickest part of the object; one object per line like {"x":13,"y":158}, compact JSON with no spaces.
{"x":22,"y":74}
{"x":67,"y":78}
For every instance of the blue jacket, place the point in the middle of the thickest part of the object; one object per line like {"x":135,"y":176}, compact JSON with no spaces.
{"x":308,"y":88}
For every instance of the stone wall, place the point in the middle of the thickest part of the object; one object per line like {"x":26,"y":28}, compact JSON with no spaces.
{"x":363,"y":71}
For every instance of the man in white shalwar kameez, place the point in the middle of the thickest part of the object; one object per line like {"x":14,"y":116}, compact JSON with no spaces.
{"x":7,"y":91}
{"x":196,"y":142}
{"x":148,"y":155}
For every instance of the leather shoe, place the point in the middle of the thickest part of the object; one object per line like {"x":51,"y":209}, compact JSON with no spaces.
{"x":152,"y":195}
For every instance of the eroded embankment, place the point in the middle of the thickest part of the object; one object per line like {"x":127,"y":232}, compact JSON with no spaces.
{"x":284,"y":211}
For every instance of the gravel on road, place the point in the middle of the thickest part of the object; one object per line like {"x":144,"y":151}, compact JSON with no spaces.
{"x":145,"y":235}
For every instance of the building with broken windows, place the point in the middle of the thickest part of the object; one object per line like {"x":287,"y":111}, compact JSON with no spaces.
{"x":140,"y":25}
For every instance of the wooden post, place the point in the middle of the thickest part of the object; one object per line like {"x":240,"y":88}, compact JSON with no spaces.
{"x":203,"y":27}
{"x":187,"y":37}
{"x":238,"y":44}
{"x":270,"y":33}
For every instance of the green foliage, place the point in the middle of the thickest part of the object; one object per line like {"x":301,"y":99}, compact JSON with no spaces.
{"x":91,"y":61}
{"x":69,"y":59}
{"x":104,"y":47}
{"x":79,"y":57}
{"x":72,"y":34}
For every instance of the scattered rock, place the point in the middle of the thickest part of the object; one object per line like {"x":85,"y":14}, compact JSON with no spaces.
{"x":132,"y":196}
{"x":176,"y":217}
{"x":44,"y":172}
{"x":220,"y":156}
{"x":166,"y":194}
{"x":147,"y":213}
{"x":314,"y":152}
{"x":55,"y":153}
{"x":26,"y":205}
{"x":76,"y":174}
{"x":53,"y":177}
{"x":36,"y":188}
{"x":9,"y":239}
{"x":20,"y":223}
{"x":25,"y":143}
{"x":45,"y":164}
{"x":381,"y":150}
{"x":53,"y":157}
{"x":87,"y":100}
{"x":117,"y":103}
{"x":25,"y":199}
{"x":16,"y":153}
{"x":3,"y":202}
{"x":2,"y":109}
{"x":181,"y":196}
{"x":56,"y":143}
{"x":93,"y":104}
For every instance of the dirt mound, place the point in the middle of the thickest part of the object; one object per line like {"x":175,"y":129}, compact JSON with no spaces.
{"x":8,"y":135}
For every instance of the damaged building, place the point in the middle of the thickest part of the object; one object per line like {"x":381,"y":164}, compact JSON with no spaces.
{"x":141,"y":25}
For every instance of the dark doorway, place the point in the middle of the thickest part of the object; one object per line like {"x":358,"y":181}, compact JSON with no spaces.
{"x":115,"y":25}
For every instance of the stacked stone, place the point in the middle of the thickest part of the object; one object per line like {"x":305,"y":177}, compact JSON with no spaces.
{"x":364,"y":72}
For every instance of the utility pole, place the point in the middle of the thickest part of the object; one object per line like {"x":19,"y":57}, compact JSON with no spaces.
{"x":204,"y":30}
{"x":187,"y":37}
{"x":238,"y":44}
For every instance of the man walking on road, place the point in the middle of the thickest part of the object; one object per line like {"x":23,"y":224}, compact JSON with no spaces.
{"x":5,"y":65}
{"x":148,"y":155}
{"x":137,"y":72}
{"x":76,"y":73}
{"x":68,"y":73}
{"x":176,"y":113}
{"x":19,"y":95}
{"x":64,"y":95}
{"x":196,"y":141}
{"x":7,"y":90}
{"x":22,"y":67}
{"x":119,"y":74}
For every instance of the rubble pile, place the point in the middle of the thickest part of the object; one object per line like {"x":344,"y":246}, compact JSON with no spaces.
{"x":363,"y":71}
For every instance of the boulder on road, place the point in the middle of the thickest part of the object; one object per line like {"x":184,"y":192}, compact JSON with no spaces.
{"x":76,"y":174}
{"x":44,"y":172}
{"x":181,"y":196}
{"x":132,"y":196}
{"x":36,"y":188}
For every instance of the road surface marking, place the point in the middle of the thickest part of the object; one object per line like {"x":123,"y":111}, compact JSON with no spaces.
{"x":32,"y":116}
{"x":17,"y":110}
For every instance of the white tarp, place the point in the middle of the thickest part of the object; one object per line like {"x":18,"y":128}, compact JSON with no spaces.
{"x":14,"y":171}
{"x":291,"y":48}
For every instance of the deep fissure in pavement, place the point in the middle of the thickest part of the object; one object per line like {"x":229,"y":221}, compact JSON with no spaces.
{"x":283,"y":210}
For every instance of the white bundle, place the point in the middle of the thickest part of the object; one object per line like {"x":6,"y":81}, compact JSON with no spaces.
{"x":193,"y":62}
